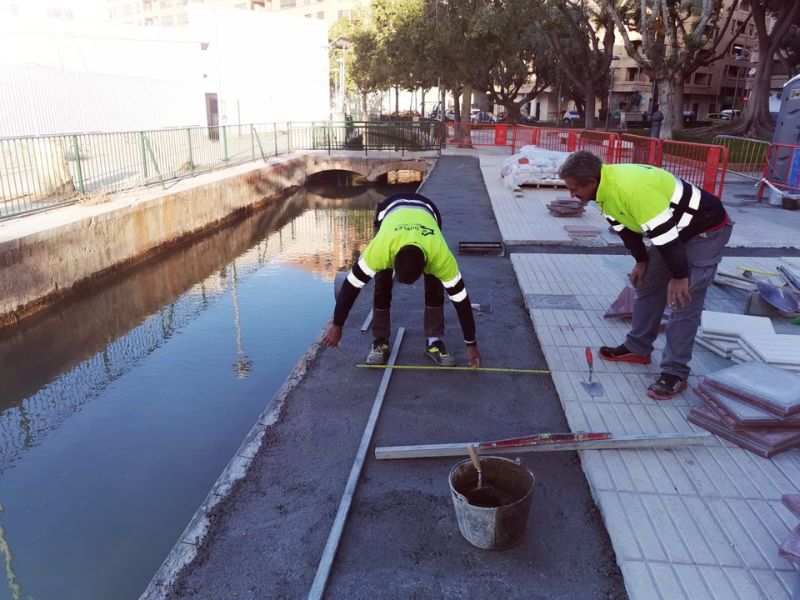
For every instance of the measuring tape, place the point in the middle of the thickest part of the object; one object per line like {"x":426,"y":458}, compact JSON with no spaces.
{"x":432,"y":368}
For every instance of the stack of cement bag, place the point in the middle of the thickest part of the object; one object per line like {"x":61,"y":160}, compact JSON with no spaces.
{"x":532,"y":166}
{"x":743,"y":338}
{"x":754,"y":405}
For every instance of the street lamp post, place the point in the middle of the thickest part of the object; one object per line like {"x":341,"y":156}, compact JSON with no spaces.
{"x":610,"y":88}
{"x":739,"y":59}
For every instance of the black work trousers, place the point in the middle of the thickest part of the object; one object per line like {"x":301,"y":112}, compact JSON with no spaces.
{"x":434,"y":306}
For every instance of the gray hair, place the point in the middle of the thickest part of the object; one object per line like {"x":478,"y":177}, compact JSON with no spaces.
{"x":580,"y":167}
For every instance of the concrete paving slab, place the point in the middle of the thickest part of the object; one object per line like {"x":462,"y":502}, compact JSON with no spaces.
{"x":524,"y":220}
{"x":701,"y":514}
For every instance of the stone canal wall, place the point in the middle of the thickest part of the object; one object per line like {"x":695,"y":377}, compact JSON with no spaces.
{"x":48,"y":256}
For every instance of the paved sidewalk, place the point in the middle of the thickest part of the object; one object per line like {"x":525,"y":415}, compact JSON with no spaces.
{"x":693,"y":522}
{"x":525,"y":220}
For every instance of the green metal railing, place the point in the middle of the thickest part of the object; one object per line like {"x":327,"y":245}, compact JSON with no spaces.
{"x":41,"y":172}
{"x":746,"y":156}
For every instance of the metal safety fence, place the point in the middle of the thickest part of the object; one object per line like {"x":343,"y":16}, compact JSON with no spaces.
{"x":701,"y":164}
{"x":704,"y":165}
{"x":781,"y":170}
{"x":746,"y":157}
{"x":41,"y":172}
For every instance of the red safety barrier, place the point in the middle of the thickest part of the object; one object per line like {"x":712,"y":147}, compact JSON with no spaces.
{"x":549,"y":138}
{"x":704,"y":165}
{"x":480,"y":134}
{"x":523,"y":136}
{"x":782,"y":168}
{"x":600,"y":143}
{"x":638,"y":149}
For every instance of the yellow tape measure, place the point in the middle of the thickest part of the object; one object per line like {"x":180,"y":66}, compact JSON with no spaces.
{"x":433,"y":368}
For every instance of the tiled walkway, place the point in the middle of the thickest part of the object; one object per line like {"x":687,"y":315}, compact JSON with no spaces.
{"x":692,"y":522}
{"x":524,"y":220}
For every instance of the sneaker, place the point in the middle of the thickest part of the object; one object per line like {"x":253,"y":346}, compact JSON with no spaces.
{"x":622,"y":354}
{"x":666,"y":387}
{"x":378,"y":353}
{"x":437,"y":352}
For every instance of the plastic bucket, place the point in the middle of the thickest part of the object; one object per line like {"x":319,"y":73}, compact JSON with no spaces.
{"x":496,"y":521}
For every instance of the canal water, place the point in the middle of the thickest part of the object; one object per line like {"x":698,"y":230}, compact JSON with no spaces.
{"x":119,"y":409}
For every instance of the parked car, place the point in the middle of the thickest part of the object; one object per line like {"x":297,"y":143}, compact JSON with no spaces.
{"x":688,"y":115}
{"x":481,"y":116}
{"x":571,"y":115}
{"x":527,"y":119}
{"x":725,"y":115}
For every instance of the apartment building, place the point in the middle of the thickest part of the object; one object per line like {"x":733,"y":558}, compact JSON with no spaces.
{"x":167,"y":13}
{"x":721,"y":85}
{"x":330,"y":10}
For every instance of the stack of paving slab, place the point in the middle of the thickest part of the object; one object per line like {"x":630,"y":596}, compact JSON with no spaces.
{"x":790,"y":548}
{"x":566,"y":207}
{"x":754,"y":405}
{"x":743,"y":338}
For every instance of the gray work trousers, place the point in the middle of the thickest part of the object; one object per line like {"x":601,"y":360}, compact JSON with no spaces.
{"x":703,"y":251}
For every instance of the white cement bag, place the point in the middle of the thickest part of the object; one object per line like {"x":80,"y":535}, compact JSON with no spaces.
{"x":533,"y":165}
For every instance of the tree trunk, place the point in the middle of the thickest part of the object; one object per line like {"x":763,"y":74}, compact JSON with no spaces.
{"x":422,"y":112}
{"x":463,"y":134}
{"x":456,"y":106}
{"x":512,"y":112}
{"x":397,"y":100}
{"x":666,"y":104}
{"x":756,"y":121}
{"x":679,"y":80}
{"x":365,"y":115}
{"x":591,"y":101}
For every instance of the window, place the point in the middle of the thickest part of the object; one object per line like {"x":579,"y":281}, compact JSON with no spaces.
{"x":147,"y":4}
{"x":307,"y":15}
{"x":183,"y":19}
{"x":9,"y":8}
{"x":321,"y":16}
{"x":732,"y":70}
{"x":345,"y":14}
{"x":165,"y":3}
{"x":288,"y":3}
{"x":167,"y":20}
{"x":632,"y":74}
{"x":702,"y":79}
{"x":55,"y":12}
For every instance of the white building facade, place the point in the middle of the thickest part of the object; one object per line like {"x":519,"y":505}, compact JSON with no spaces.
{"x":226,"y":67}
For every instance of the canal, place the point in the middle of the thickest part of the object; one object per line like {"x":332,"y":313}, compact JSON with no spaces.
{"x":120,"y":408}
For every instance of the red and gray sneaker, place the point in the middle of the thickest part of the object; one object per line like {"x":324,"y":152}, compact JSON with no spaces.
{"x":622,"y":354}
{"x":666,"y":387}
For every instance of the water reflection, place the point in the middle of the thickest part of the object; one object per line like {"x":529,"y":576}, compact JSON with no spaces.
{"x":53,"y":364}
{"x":137,"y":359}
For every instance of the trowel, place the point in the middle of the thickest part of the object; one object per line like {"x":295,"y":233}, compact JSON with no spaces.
{"x":593,"y":388}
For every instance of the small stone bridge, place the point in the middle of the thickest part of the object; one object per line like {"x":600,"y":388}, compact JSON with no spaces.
{"x":371,"y":168}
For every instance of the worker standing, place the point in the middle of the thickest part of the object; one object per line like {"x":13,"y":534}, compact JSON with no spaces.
{"x":687,"y":228}
{"x":408,"y":243}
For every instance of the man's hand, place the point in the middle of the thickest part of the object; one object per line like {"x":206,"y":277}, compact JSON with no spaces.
{"x":637,"y":274}
{"x":332,"y":335}
{"x":678,"y":292}
{"x":473,"y":356}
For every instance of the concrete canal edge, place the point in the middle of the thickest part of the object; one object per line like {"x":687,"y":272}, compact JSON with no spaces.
{"x":49,"y":256}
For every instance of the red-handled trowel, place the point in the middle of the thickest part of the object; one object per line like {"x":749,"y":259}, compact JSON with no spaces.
{"x":593,"y":388}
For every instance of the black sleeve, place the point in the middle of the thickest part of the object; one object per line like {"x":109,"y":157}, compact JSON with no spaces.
{"x":466,"y":319}
{"x":357,"y":278}
{"x":344,"y":302}
{"x":634,"y":242}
